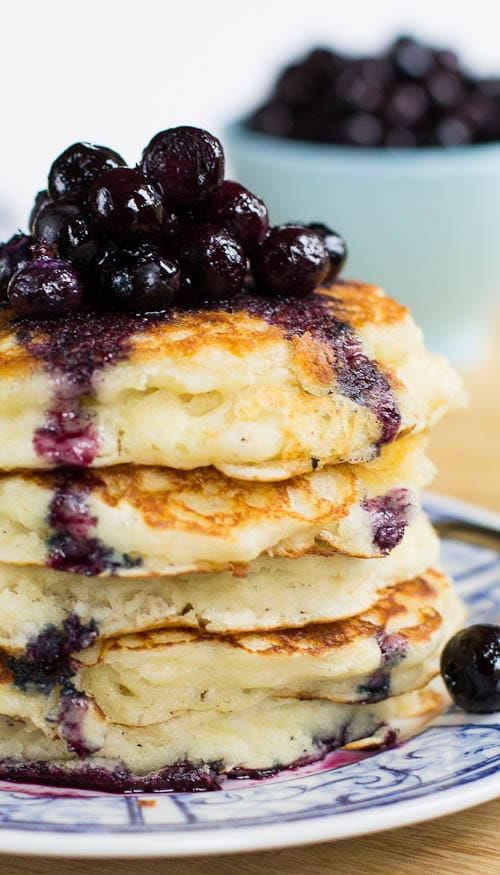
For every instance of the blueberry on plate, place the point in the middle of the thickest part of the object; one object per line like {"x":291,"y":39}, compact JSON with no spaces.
{"x":470,"y":665}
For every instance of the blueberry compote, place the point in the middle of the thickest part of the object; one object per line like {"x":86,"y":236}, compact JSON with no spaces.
{"x":74,"y":706}
{"x":182,"y":777}
{"x":389,"y":517}
{"x":357,"y":376}
{"x":73,"y":350}
{"x":71,"y":545}
{"x":115,"y":248}
{"x":47,"y":659}
{"x":393,"y":649}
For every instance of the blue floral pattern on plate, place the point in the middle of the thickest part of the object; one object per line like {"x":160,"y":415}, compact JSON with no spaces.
{"x":458,"y":753}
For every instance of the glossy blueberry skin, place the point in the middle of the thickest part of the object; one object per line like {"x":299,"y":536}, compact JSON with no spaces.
{"x":41,"y":200}
{"x":336,"y":246}
{"x":46,"y":289}
{"x":292,"y":260}
{"x":139,"y":280}
{"x":239,"y":211}
{"x":14,"y":255}
{"x":124,"y":204}
{"x":67,"y":225}
{"x":214,"y":263}
{"x":186,"y":162}
{"x":470,"y":665}
{"x":75,"y":169}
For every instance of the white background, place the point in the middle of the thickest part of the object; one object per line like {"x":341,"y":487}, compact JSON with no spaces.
{"x":116,"y":72}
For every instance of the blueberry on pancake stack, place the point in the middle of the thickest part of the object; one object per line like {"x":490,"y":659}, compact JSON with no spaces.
{"x":213,"y":560}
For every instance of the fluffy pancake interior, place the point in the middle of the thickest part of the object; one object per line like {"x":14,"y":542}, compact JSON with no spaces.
{"x":153,"y":521}
{"x":233,"y":391}
{"x":139,"y":680}
{"x":276,"y":732}
{"x":142,"y":679}
{"x":272,"y":593}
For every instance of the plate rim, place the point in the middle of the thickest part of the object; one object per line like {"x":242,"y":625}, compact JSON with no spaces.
{"x":222,"y":840}
{"x":258,"y":837}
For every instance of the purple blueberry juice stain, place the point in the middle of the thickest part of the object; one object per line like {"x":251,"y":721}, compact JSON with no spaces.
{"x":393,"y":649}
{"x":67,"y":437}
{"x":76,"y":348}
{"x":73,"y":350}
{"x":47,"y":659}
{"x":73,"y":708}
{"x":389,"y":516}
{"x":358,"y":376}
{"x":182,"y":777}
{"x":71,"y":547}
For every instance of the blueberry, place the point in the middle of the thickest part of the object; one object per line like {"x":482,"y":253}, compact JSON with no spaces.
{"x":74,"y":171}
{"x":291,"y":260}
{"x":187,"y":163}
{"x":445,"y":88}
{"x":295,"y":86}
{"x":452,"y":131}
{"x":400,"y":138}
{"x":240,"y":212}
{"x":362,"y":129}
{"x":446,"y":60}
{"x":14,"y":255}
{"x":336,"y":246}
{"x":407,"y":104}
{"x":140,"y":280}
{"x":175,"y":224}
{"x":67,"y":226}
{"x":359,"y":91}
{"x":41,"y":200}
{"x":214,"y":261}
{"x":124,"y":204}
{"x":275,"y":118}
{"x":47,"y":288}
{"x":411,"y":58}
{"x":470,"y":665}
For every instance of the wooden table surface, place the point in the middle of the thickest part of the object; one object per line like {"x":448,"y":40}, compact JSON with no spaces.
{"x":466,"y":449}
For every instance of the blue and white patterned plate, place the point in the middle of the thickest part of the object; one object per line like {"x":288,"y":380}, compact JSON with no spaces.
{"x":453,"y":764}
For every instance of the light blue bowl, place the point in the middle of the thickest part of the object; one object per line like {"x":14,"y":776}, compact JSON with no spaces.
{"x":422,"y":223}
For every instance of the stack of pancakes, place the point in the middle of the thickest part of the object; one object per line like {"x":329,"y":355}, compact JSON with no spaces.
{"x":213,"y":559}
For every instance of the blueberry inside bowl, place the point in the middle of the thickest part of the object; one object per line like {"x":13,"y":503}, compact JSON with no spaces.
{"x":402,"y":151}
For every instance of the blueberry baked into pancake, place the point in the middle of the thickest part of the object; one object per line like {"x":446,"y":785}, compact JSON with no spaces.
{"x":213,"y":556}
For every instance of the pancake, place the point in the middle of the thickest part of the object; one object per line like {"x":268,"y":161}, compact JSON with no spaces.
{"x":259,"y":389}
{"x":148,"y":678}
{"x":157,"y":521}
{"x":194,"y":750}
{"x":272,"y":593}
{"x":390,"y":649}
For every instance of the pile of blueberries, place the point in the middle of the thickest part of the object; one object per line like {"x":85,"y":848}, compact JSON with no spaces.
{"x":168,"y":232}
{"x":410,"y":95}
